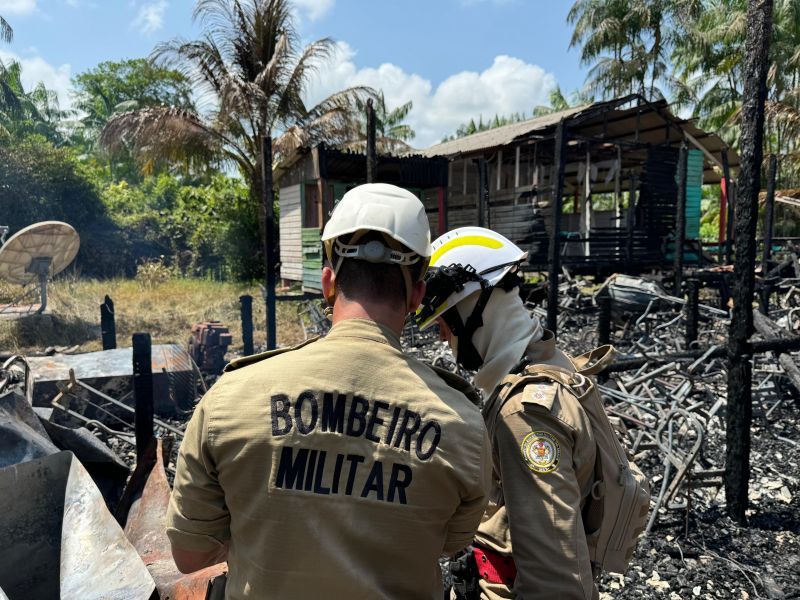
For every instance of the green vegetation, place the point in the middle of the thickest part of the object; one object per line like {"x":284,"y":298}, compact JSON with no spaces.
{"x":692,"y":53}
{"x":249,"y":62}
{"x":143,"y":175}
{"x":167,"y":310}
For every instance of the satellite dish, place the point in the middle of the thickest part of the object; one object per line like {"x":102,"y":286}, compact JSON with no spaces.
{"x":38,"y":252}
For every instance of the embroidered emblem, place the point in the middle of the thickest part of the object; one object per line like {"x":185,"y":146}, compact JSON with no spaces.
{"x":541,"y":452}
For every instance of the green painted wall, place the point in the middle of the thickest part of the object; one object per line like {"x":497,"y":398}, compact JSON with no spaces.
{"x":312,"y":258}
{"x":694,"y":184}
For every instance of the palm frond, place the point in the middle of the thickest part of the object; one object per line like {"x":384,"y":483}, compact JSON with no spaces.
{"x":155,"y":134}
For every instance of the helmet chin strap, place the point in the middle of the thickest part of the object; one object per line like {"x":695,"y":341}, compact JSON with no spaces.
{"x":467,"y":355}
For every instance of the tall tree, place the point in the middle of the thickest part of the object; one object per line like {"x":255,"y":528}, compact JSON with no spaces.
{"x":248,"y":65}
{"x":112,"y":88}
{"x":392,"y":134}
{"x":25,"y":112}
{"x":709,"y":76}
{"x":627,"y":42}
{"x":8,"y":99}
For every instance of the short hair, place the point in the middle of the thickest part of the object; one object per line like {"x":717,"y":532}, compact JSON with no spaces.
{"x":361,"y":280}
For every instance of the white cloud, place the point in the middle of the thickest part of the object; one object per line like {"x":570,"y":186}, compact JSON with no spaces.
{"x":17,"y":7}
{"x":314,"y":9}
{"x":150,"y":17}
{"x":509,"y":85}
{"x":36,"y":69}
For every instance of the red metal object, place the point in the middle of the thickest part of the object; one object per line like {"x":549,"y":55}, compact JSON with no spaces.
{"x":208,"y":345}
{"x":146,"y":501}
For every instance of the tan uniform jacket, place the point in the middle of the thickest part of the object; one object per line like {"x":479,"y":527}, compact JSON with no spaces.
{"x":536,"y":502}
{"x":341,"y":469}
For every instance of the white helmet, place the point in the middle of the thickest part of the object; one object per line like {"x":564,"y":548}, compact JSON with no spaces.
{"x":387,"y":209}
{"x":464,"y":261}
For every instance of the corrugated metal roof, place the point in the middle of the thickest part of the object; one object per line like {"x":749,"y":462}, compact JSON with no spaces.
{"x":618,"y":119}
{"x":499,"y":136}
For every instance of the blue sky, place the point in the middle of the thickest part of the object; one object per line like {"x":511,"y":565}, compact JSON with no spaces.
{"x":453,"y":58}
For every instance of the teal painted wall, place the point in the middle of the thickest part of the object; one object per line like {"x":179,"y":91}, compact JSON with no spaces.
{"x":694,"y":193}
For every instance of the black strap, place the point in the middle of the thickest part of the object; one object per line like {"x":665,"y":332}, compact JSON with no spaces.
{"x":467,"y":355}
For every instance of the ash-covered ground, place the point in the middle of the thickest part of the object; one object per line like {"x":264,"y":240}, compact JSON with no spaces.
{"x":693,"y":549}
{"x":676,"y":410}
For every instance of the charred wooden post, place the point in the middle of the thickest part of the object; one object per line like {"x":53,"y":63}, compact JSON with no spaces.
{"x":483,"y":191}
{"x":722,"y":235}
{"x":441,"y":196}
{"x":769,"y":216}
{"x":142,"y":392}
{"x":604,"y":320}
{"x":729,"y":214}
{"x":680,"y":221}
{"x":108,"y":326}
{"x":246,"y":306}
{"x":630,"y":224}
{"x":372,"y":158}
{"x":270,"y":239}
{"x":765,"y":293}
{"x":739,"y":411}
{"x":692,"y":310}
{"x":554,"y":251}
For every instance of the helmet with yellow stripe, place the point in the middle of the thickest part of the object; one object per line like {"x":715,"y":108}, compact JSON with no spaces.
{"x":464,"y":261}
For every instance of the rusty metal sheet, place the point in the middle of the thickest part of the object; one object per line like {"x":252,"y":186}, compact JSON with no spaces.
{"x":59,"y":540}
{"x":111,"y":371}
{"x":145,"y":527}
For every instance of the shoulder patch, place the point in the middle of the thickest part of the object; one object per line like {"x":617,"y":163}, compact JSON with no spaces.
{"x":458,"y":383}
{"x":246,"y":361}
{"x":540,"y":393}
{"x":541,"y":452}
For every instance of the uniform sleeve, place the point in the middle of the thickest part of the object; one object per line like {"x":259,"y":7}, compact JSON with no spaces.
{"x":544,"y":509}
{"x":462,"y":526}
{"x":197,"y":517}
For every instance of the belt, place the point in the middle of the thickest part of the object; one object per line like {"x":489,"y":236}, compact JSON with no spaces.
{"x":493,"y":566}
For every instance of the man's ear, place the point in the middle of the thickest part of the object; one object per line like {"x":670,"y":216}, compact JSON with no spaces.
{"x":417,"y":294}
{"x":328,"y":285}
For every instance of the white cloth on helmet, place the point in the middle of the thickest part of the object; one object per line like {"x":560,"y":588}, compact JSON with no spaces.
{"x":508,"y":329}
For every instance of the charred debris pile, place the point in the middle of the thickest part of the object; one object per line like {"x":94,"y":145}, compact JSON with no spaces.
{"x":93,"y":438}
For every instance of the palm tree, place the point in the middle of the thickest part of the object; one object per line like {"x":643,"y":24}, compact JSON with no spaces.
{"x":391,"y":133}
{"x":708,"y":65}
{"x":8,"y":99}
{"x":248,"y":64}
{"x":24,"y":112}
{"x":627,"y":42}
{"x":709,"y":71}
{"x":559,"y":102}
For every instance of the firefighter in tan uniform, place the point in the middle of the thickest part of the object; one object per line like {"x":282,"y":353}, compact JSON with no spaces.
{"x":341,"y":468}
{"x":531,"y":542}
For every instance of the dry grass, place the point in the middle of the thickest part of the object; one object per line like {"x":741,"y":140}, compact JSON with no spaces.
{"x":165,"y":309}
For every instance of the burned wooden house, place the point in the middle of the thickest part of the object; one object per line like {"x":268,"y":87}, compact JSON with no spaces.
{"x":315,"y":179}
{"x":587,"y":162}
